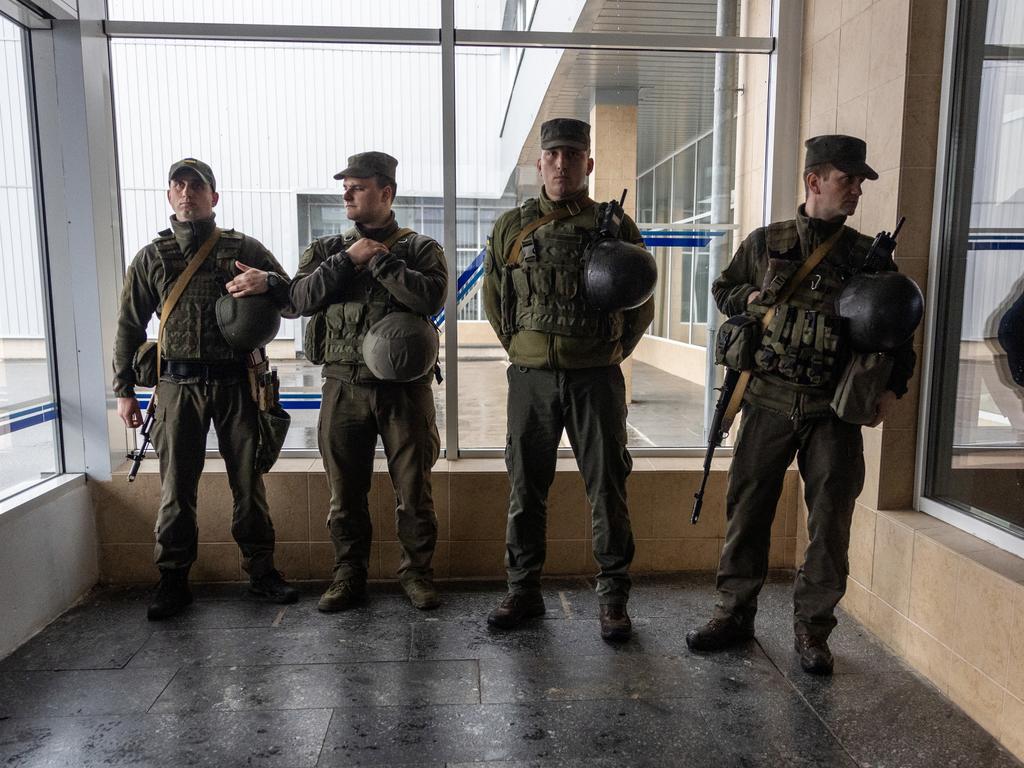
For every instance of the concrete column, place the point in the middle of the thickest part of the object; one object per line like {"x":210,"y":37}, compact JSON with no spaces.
{"x":613,"y":146}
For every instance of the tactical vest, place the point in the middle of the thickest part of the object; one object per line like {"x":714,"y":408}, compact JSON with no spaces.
{"x":345,"y":323}
{"x":548,"y":281}
{"x":803,"y":342}
{"x":191,"y":332}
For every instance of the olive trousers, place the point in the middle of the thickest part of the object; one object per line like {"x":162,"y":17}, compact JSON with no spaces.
{"x":830,"y":456}
{"x":351,"y":417}
{"x":590,"y":405}
{"x":184,"y":412}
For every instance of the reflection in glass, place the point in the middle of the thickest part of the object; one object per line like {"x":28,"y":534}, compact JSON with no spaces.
{"x":977,"y":457}
{"x":29,"y":442}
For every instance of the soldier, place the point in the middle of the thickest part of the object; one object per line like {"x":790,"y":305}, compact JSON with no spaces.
{"x":202,"y":380}
{"x":372,"y":276}
{"x":564,"y":374}
{"x":787,"y":411}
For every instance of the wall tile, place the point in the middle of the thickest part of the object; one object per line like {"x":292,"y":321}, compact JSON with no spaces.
{"x":880,"y":203}
{"x":1015,"y":669}
{"x":890,"y":21}
{"x":921,"y":120}
{"x":855,"y":51}
{"x":288,"y":501}
{"x":852,"y":116}
{"x":872,"y":467}
{"x":321,"y":561}
{"x":825,"y":18}
{"x":319,"y":506}
{"x":977,"y":694}
{"x":214,"y":507}
{"x":673,"y":503}
{"x":479,"y":506}
{"x":933,"y":588}
{"x":927,"y":38}
{"x":218,"y":562}
{"x":890,"y":625}
{"x":566,"y":557}
{"x":928,"y":656}
{"x":896,"y":489}
{"x":126,"y":512}
{"x":824,"y":76}
{"x":862,"y":544}
{"x":885,"y":125}
{"x":856,"y":601}
{"x":1011,"y":734}
{"x":984,"y":617}
{"x":684,"y":554}
{"x":127,"y":564}
{"x":894,"y":549}
{"x":292,"y":559}
{"x":477,"y":559}
{"x":853,"y":8}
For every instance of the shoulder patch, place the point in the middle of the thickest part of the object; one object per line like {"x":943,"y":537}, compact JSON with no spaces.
{"x":782,"y":236}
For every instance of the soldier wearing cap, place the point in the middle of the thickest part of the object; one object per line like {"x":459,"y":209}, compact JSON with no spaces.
{"x":349,"y":283}
{"x":564,"y":374}
{"x":787,"y":409}
{"x":203,"y":380}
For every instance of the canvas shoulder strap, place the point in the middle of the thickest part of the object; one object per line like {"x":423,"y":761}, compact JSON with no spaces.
{"x":801,"y":274}
{"x":403,"y":232}
{"x":180,"y":285}
{"x":571,"y":209}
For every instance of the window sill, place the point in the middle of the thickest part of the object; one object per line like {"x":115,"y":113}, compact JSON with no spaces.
{"x":37,"y":495}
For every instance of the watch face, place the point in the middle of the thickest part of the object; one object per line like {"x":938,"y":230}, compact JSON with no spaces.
{"x":272,"y":280}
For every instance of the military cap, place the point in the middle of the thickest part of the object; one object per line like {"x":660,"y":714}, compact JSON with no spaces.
{"x":198,"y":167}
{"x":366,"y":164}
{"x":565,"y":132}
{"x":847,"y":153}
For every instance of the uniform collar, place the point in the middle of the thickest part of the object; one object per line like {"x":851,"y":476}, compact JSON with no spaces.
{"x":547,"y":204}
{"x":815,"y":231}
{"x":192,"y":234}
{"x":379,"y":234}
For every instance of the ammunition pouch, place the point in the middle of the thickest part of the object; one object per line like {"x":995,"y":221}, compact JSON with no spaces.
{"x":273,"y":420}
{"x":144,"y":364}
{"x":862,"y":384}
{"x":314,"y":339}
{"x":738,"y":340}
{"x":800,"y":346}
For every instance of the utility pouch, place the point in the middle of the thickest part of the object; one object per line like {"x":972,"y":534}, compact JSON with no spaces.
{"x":273,"y":420}
{"x":862,"y":384}
{"x":508,"y":300}
{"x":738,"y":339}
{"x":314,"y":339}
{"x":144,"y":364}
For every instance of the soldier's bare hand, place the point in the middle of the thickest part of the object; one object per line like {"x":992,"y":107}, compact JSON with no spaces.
{"x":885,"y":405}
{"x":130,"y":412}
{"x":362,"y":251}
{"x":249,"y":282}
{"x":754,"y":296}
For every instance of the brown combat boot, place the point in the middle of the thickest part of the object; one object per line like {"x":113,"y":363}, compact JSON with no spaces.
{"x":516,"y":608}
{"x":720,"y":633}
{"x":421,"y":593}
{"x":615,"y":624}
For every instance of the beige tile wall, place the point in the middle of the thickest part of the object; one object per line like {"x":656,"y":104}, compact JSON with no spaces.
{"x":471,"y":502}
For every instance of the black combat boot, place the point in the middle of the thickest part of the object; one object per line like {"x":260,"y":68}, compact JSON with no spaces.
{"x":815,"y":657}
{"x":172,"y":594}
{"x":720,"y":633}
{"x":516,"y":608}
{"x":273,"y":587}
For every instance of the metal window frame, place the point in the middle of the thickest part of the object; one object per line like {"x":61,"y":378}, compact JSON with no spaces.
{"x":449,"y":38}
{"x":957,"y":128}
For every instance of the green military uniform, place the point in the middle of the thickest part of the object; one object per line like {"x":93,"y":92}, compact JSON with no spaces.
{"x":787,"y":413}
{"x":564,"y":374}
{"x":203,"y":380}
{"x":346,"y":300}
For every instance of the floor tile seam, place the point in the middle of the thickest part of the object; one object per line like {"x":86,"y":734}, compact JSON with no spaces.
{"x":854,"y":761}
{"x":323,"y":739}
{"x":254,"y":665}
{"x":182,"y":713}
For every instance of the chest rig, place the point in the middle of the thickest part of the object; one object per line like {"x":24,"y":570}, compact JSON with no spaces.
{"x":192,"y":332}
{"x":547,"y":283}
{"x":803,"y":342}
{"x":361,"y":303}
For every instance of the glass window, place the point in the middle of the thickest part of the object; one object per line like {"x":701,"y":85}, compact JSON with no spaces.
{"x":684,"y":178}
{"x":316,"y":13}
{"x":29,"y":437}
{"x":976,"y":444}
{"x":668,"y":405}
{"x":277,"y":144}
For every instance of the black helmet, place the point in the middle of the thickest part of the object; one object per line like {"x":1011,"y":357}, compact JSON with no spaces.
{"x":249,"y":322}
{"x":882,"y":310}
{"x":618,"y":275}
{"x":400,"y":346}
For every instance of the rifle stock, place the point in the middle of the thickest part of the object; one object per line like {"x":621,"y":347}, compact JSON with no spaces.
{"x":716,"y":434}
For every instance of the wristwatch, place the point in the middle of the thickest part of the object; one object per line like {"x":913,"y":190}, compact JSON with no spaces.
{"x":273,"y":280}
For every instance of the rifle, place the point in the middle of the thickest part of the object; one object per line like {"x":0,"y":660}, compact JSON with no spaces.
{"x":140,"y":453}
{"x":716,"y":434}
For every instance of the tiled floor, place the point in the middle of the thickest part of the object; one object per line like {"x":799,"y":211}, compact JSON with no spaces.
{"x":234,"y":682}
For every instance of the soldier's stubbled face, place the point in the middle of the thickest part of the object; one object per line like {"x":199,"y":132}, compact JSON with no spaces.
{"x":190,"y":197}
{"x":366,"y":202}
{"x":833,"y":194}
{"x":564,"y":171}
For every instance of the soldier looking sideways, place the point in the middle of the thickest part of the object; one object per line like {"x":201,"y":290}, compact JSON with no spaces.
{"x":564,"y":357}
{"x":203,"y":380}
{"x":787,"y":408}
{"x":376,"y":382}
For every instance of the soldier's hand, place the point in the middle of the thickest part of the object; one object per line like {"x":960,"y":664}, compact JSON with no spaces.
{"x":249,"y":282}
{"x":130,"y":412}
{"x":361,"y":251}
{"x":884,"y":407}
{"x":752,"y":297}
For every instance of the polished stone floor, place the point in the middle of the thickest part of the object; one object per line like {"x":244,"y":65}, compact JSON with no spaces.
{"x":234,"y":682}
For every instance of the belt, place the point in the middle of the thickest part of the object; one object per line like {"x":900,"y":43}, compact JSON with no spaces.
{"x":193,"y":369}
